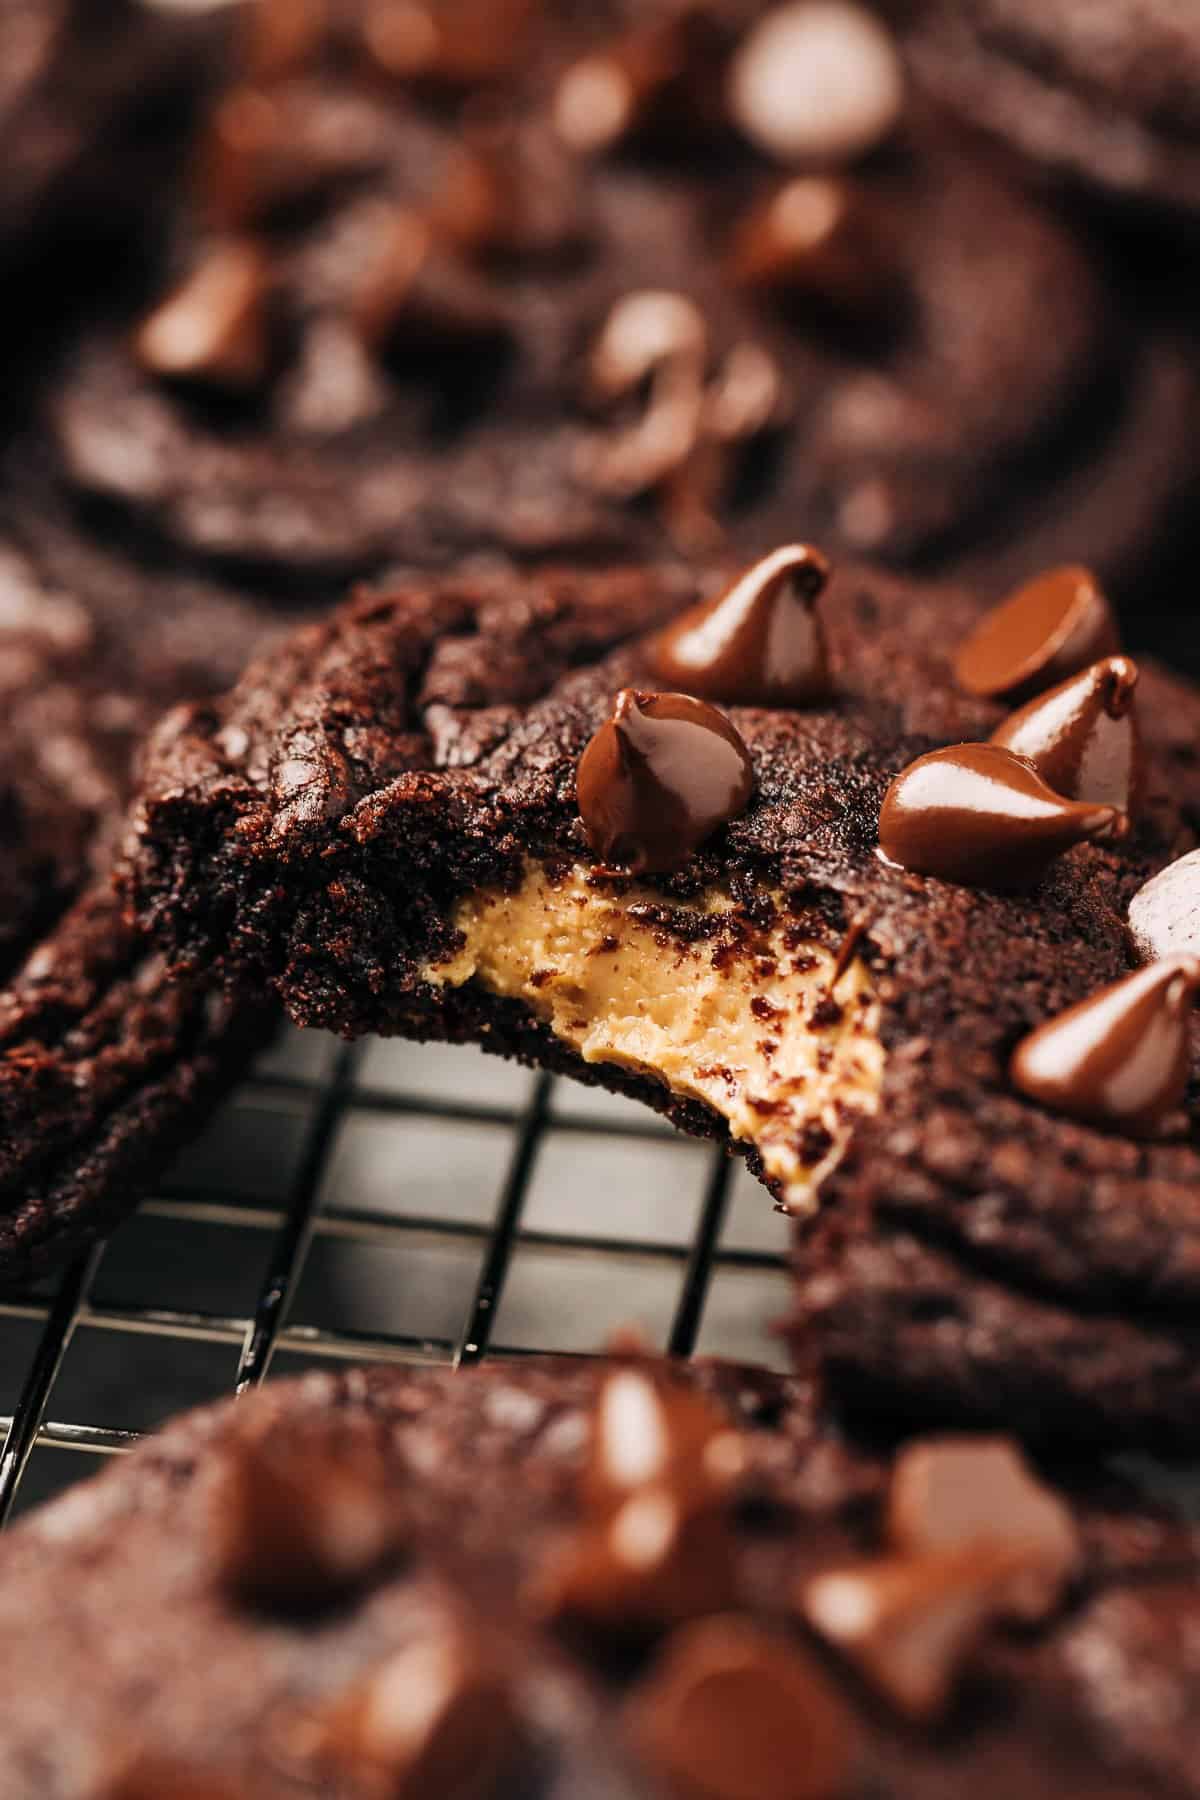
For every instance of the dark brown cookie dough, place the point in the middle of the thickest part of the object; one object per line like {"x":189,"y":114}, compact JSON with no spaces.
{"x":329,"y":828}
{"x":953,"y":385}
{"x":430,"y":1538}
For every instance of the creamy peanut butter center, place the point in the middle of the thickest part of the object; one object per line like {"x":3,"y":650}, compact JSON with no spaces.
{"x":740,"y":1016}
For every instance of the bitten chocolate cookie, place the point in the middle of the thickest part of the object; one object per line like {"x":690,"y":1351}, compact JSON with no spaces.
{"x":485,"y":811}
{"x":614,"y":1577}
{"x":1103,"y":93}
{"x":106,"y":1063}
{"x":610,"y":283}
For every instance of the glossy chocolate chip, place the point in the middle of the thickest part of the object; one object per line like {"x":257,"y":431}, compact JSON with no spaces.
{"x":820,"y":238}
{"x":730,"y":1712}
{"x":658,"y":778}
{"x":1164,"y":915}
{"x":651,"y":1564}
{"x":661,"y":80}
{"x":958,"y":1492}
{"x":215,"y":328}
{"x":437,"y":1718}
{"x":760,"y":642}
{"x":1051,"y":628}
{"x":1083,"y":737}
{"x":297,"y":1526}
{"x":818,"y":81}
{"x":417,"y":294}
{"x":647,"y":1433}
{"x":977,"y":814}
{"x":1120,"y":1058}
{"x":910,"y":1623}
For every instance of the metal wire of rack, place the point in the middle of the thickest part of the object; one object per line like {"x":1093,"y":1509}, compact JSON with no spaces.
{"x":384,"y":1202}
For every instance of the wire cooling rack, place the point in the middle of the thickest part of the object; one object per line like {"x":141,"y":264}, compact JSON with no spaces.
{"x":385,"y":1202}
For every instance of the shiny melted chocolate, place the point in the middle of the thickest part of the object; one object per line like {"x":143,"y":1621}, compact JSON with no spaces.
{"x":1051,"y":628}
{"x":760,"y":642}
{"x":1083,"y":737}
{"x":658,"y":778}
{"x":977,"y":814}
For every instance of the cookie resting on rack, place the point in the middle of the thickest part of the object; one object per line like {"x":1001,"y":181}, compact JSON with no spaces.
{"x":617,"y":1577}
{"x":484,"y":811}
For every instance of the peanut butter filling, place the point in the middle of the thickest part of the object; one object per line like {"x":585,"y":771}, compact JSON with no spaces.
{"x":741,"y":1017}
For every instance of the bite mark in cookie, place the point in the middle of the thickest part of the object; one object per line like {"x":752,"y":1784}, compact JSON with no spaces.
{"x":741,"y":1015}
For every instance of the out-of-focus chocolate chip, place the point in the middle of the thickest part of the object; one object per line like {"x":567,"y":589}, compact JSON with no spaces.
{"x":417,"y":293}
{"x":1082,"y":736}
{"x":297,"y":1526}
{"x":1120,"y":1058}
{"x":958,"y":1492}
{"x":661,"y":80}
{"x":977,"y":814}
{"x":437,"y":1719}
{"x":817,"y":81}
{"x":648,"y":1433}
{"x":1164,"y":915}
{"x":649,"y":1565}
{"x":910,"y":1623}
{"x":659,"y":777}
{"x":730,"y":1712}
{"x":760,"y":642}
{"x":451,"y":43}
{"x":1052,"y":627}
{"x":215,"y":328}
{"x":821,"y":240}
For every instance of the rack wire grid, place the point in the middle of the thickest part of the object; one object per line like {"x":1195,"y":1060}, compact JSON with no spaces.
{"x":385,"y":1202}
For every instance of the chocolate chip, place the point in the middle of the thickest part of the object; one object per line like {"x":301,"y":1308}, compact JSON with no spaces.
{"x":661,"y":80}
{"x":646,"y":1433}
{"x":1121,"y":1057}
{"x":1164,"y":915}
{"x":659,"y":778}
{"x":436,"y":1719}
{"x":416,"y":294}
{"x":760,"y":642}
{"x":959,"y":1493}
{"x":298,"y":1526}
{"x":1051,"y":628}
{"x":730,"y":1712}
{"x":910,"y":1623}
{"x":447,"y":43}
{"x":819,"y":81}
{"x":1082,"y":737}
{"x":650,"y":1565}
{"x":215,"y":327}
{"x":823,"y":239}
{"x":977,"y":814}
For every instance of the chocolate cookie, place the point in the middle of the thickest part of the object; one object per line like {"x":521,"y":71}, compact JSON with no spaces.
{"x":1104,"y":94}
{"x":106,"y":1063}
{"x":384,"y":824}
{"x":616,"y":1577}
{"x":588,"y":291}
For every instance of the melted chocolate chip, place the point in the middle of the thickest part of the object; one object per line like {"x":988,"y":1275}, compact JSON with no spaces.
{"x":910,"y":1623}
{"x":1164,"y":915}
{"x":730,"y":1712}
{"x":437,"y":1718}
{"x":1082,"y":737}
{"x":296,"y":1527}
{"x":418,"y":294}
{"x":215,"y":327}
{"x":956,"y":1493}
{"x":650,"y":1565}
{"x":661,"y":80}
{"x":1051,"y":628}
{"x":977,"y":814}
{"x":820,"y":238}
{"x":759,"y":643}
{"x":649,"y":1434}
{"x":659,"y":778}
{"x":1121,"y":1057}
{"x":817,"y":83}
